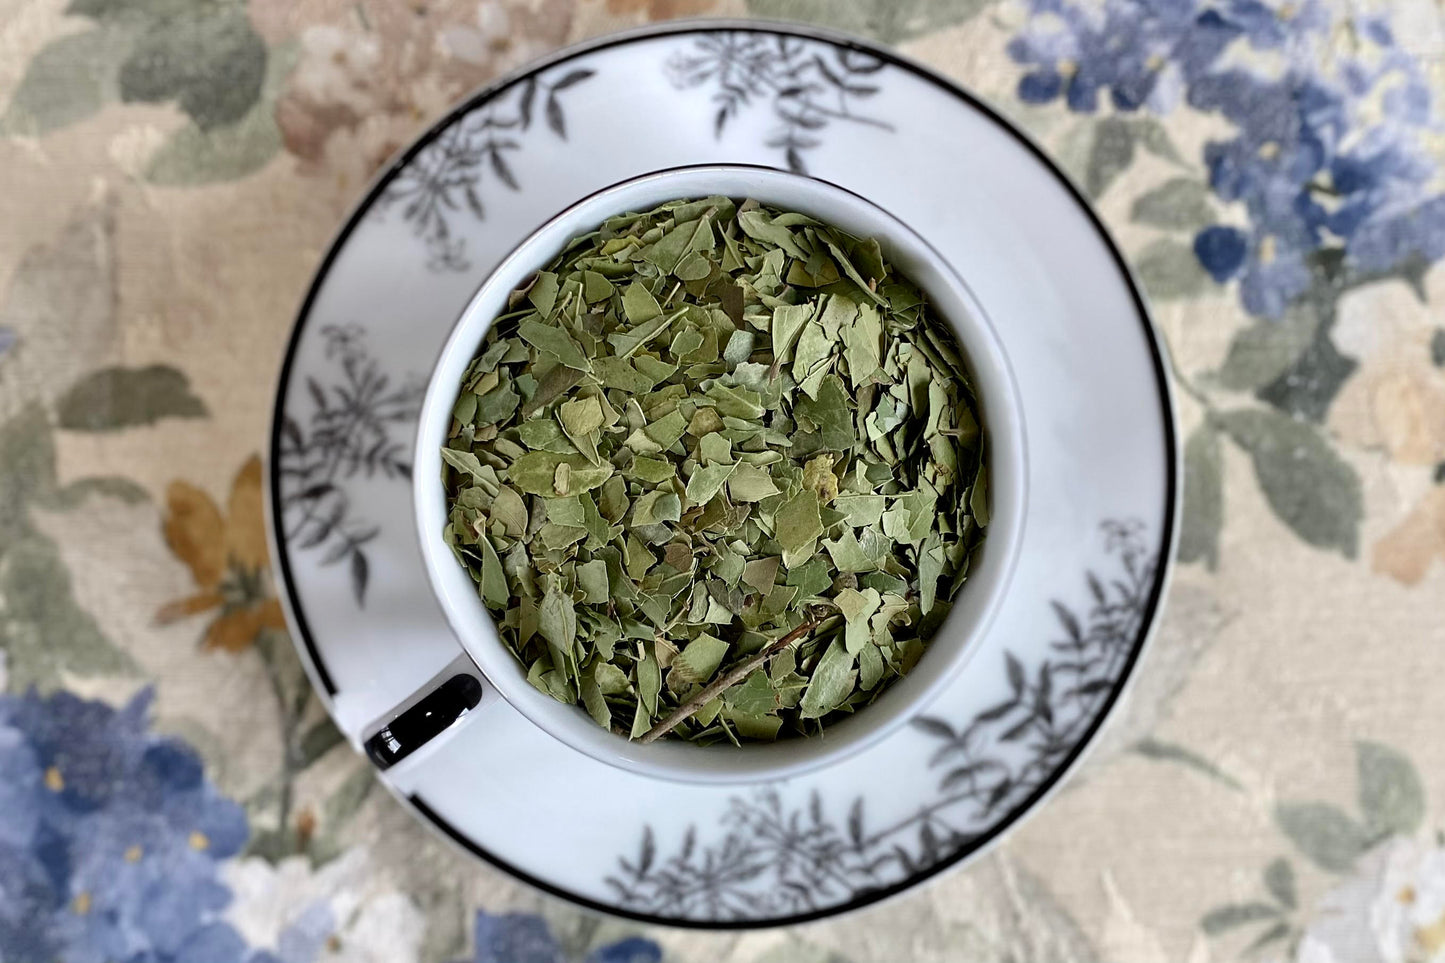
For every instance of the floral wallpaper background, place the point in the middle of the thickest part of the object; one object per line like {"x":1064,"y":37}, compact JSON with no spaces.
{"x":172,"y":172}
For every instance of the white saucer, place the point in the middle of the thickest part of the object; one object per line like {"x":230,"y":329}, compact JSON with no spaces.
{"x":1102,"y":465}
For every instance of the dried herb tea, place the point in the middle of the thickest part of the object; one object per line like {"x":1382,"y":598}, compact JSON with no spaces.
{"x":717,"y":473}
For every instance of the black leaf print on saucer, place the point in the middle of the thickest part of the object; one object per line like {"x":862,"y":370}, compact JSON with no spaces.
{"x":446,"y":178}
{"x":807,"y":85}
{"x":359,"y":427}
{"x":780,"y":857}
{"x":1049,"y":710}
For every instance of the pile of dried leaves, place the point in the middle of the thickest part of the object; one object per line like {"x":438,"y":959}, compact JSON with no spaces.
{"x":716,"y":471}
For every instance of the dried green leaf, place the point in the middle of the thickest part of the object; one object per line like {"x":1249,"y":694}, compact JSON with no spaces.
{"x":759,"y":225}
{"x":656,"y":507}
{"x":787,"y":327}
{"x":592,"y":580}
{"x":580,"y":417}
{"x":510,"y":512}
{"x":751,"y":484}
{"x":639,"y":305}
{"x":494,"y":582}
{"x":978,"y":497}
{"x":739,"y":347}
{"x":467,"y":462}
{"x":555,"y":343}
{"x":857,"y":608}
{"x":696,"y":663}
{"x":649,"y":681}
{"x":861,"y":511}
{"x":707,"y":482}
{"x":870,"y":667}
{"x":798,"y":524}
{"x":536,"y":473}
{"x":595,"y":702}
{"x":832,"y":414}
{"x":848,"y":555}
{"x":543,"y":294}
{"x":762,"y":728}
{"x":863,"y":340}
{"x":832,"y":682}
{"x":610,"y":679}
{"x":810,"y":579}
{"x":541,"y":434}
{"x":753,"y":696}
{"x":762,"y":573}
{"x":653,"y":471}
{"x":557,"y":623}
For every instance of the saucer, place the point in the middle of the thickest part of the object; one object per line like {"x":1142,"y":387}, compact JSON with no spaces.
{"x":1101,"y":455}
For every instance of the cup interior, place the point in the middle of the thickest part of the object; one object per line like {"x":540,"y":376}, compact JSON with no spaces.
{"x":999,"y":410}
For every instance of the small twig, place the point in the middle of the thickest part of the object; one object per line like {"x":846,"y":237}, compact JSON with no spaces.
{"x":739,"y":672}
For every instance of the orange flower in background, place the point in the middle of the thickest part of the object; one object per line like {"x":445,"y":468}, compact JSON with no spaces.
{"x":227,"y":558}
{"x":1406,"y":553}
{"x":1395,"y":404}
{"x":1409,"y":407}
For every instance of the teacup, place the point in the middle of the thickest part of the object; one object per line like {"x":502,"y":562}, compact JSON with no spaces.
{"x":464,"y":697}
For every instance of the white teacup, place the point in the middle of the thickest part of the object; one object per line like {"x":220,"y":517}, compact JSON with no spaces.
{"x":977,"y":602}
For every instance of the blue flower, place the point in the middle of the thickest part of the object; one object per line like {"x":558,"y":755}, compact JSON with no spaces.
{"x":1272,"y":274}
{"x":514,"y":938}
{"x":1041,"y":86}
{"x":111,"y":838}
{"x":1129,"y":51}
{"x":1283,"y":25}
{"x":1274,"y":277}
{"x":526,"y":938}
{"x":1322,"y":176}
{"x":1390,"y":238}
{"x":1222,"y":251}
{"x":634,"y":949}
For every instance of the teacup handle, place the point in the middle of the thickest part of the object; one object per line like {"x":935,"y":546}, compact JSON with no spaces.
{"x":399,"y":740}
